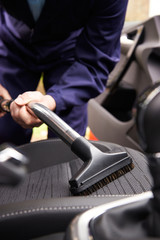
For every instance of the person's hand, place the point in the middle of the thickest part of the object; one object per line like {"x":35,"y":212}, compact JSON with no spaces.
{"x":21,"y":112}
{"x":5,"y":94}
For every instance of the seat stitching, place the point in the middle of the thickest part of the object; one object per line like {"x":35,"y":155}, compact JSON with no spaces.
{"x":43,"y":209}
{"x":121,"y":195}
{"x":20,"y":212}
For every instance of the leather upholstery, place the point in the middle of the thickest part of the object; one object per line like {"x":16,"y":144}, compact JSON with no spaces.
{"x":30,"y":211}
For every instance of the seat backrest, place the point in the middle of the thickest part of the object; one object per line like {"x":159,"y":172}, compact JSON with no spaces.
{"x":137,"y":70}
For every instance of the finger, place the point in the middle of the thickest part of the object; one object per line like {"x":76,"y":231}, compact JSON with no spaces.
{"x":27,"y":97}
{"x":23,"y":117}
{"x":20,"y":100}
{"x":30,"y":111}
{"x":28,"y":120}
{"x":14,"y":110}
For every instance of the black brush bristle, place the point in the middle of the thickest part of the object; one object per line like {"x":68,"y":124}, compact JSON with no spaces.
{"x":107,"y":180}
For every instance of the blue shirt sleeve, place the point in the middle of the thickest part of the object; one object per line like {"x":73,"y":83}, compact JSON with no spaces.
{"x":97,"y":51}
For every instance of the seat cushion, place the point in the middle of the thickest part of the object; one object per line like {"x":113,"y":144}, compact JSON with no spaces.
{"x":52,"y":181}
{"x":43,"y":204}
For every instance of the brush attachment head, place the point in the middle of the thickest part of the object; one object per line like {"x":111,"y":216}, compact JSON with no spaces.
{"x":99,"y":168}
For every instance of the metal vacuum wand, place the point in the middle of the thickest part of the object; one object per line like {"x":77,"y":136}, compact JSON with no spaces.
{"x":67,"y":134}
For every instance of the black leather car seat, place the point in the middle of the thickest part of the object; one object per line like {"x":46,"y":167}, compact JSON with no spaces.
{"x":42,"y":204}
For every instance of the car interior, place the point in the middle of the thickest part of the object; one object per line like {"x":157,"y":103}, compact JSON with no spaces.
{"x":137,"y":70}
{"x":36,"y":201}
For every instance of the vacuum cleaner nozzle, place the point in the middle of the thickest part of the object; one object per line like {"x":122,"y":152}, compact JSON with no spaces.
{"x":99,"y":168}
